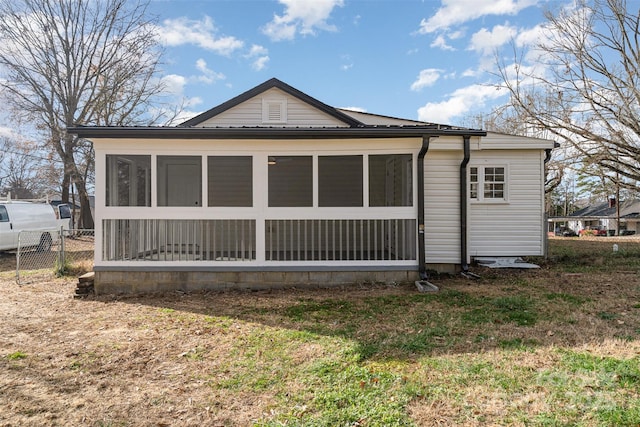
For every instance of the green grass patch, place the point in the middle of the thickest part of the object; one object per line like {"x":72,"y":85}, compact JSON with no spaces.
{"x":604,"y":315}
{"x":317,"y":309}
{"x":572,"y":300}
{"x":585,"y":257}
{"x":518,"y":309}
{"x":16,"y":355}
{"x":517,"y":344}
{"x":586,"y":387}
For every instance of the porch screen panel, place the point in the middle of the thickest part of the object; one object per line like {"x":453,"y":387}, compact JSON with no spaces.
{"x":290,"y":181}
{"x":128,"y":180}
{"x":179,"y":181}
{"x":179,"y":240}
{"x":339,"y":181}
{"x":390,"y":180}
{"x":230,"y":181}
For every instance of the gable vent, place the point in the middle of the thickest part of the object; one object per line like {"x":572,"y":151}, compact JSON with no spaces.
{"x":274,"y":111}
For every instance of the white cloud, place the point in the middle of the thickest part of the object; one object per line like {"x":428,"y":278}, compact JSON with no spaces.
{"x":202,"y":33}
{"x":470,"y":72}
{"x":208,"y":75}
{"x":455,"y":35}
{"x":301,"y":17}
{"x":347,"y":62}
{"x":486,"y":42}
{"x":257,"y":50}
{"x":262,"y":54}
{"x":174,"y":83}
{"x":427,"y":77}
{"x":441,"y":43}
{"x":455,"y":12}
{"x":460,"y":102}
{"x":183,"y":116}
{"x":531,"y":36}
{"x":260,"y":63}
{"x":192,"y":102}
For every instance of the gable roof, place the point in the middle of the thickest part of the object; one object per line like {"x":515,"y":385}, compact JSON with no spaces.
{"x":628,"y":209}
{"x":352,"y":124}
{"x":269,"y":84}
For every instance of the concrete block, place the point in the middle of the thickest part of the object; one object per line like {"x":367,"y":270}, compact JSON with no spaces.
{"x":319,"y":278}
{"x":296,"y":278}
{"x":275,"y":277}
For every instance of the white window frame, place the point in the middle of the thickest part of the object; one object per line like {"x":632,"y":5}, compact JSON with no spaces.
{"x":480,"y":197}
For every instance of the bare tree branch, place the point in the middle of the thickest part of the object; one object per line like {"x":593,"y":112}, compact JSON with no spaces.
{"x":79,"y":62}
{"x":585,"y":89}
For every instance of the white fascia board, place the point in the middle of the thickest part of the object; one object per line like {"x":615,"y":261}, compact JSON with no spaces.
{"x":500,"y":141}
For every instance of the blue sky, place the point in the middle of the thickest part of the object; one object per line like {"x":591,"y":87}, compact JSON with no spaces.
{"x":420,"y":59}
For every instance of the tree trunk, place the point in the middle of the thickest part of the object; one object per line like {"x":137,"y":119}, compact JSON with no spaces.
{"x":86,"y":217}
{"x":66,"y":182}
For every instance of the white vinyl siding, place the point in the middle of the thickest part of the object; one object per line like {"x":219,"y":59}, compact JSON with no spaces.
{"x":255,"y":112}
{"x":442,"y":207}
{"x":514,"y":228}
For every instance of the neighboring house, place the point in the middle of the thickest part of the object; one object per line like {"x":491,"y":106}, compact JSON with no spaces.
{"x":275,"y":188}
{"x":602,"y":216}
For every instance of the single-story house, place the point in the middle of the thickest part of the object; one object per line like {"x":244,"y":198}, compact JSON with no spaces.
{"x":274,"y":187}
{"x":602,"y":216}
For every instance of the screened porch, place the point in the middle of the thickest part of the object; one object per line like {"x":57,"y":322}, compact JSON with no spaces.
{"x":260,"y":209}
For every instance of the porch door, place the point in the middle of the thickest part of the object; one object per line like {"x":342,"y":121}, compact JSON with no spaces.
{"x":180,"y":181}
{"x":181,"y":190}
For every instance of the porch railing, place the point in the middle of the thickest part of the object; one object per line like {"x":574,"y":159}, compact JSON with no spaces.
{"x":178,"y":240}
{"x":235,"y":240}
{"x":340,"y":240}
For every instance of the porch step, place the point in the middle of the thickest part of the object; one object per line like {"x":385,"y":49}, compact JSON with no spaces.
{"x":85,"y":285}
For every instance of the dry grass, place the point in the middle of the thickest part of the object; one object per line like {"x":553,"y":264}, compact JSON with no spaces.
{"x":544,"y":347}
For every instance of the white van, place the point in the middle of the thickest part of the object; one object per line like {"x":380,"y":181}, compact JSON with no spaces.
{"x":63,"y":215}
{"x":18,"y":216}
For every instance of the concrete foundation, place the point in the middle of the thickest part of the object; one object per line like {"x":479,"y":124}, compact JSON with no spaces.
{"x":115,"y":282}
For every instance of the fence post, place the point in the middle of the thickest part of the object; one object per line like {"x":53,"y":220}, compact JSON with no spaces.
{"x":18,"y":258}
{"x":61,"y":254}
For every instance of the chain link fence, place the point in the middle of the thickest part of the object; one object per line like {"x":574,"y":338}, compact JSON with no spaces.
{"x":42,"y":255}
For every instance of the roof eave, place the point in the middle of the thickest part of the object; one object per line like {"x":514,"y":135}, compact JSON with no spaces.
{"x":264,"y":133}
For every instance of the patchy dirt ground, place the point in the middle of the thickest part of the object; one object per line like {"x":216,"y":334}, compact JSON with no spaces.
{"x":98,"y":361}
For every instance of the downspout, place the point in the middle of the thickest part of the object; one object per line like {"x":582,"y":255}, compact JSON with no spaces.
{"x":422,"y":269}
{"x":545,"y":216}
{"x":463,"y":204}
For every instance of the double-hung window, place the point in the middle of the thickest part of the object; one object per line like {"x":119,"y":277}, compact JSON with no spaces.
{"x":488,"y":183}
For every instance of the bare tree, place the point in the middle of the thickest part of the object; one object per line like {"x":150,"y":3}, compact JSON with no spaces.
{"x":583,"y":84}
{"x":78,"y":62}
{"x":24,"y":170}
{"x":514,"y":121}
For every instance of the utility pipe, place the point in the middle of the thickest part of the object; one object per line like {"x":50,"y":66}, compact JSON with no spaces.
{"x":422,"y":269}
{"x":463,"y":204}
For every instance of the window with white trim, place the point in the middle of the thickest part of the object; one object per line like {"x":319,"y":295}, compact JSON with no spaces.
{"x":488,"y":183}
